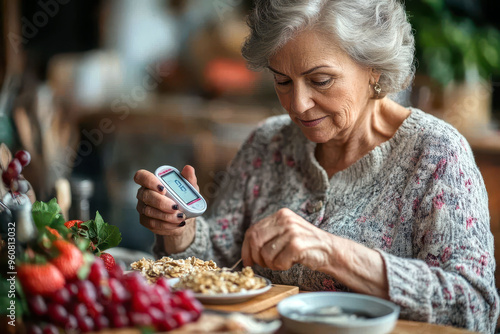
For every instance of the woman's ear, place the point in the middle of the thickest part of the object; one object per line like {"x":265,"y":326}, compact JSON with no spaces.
{"x":374,"y":76}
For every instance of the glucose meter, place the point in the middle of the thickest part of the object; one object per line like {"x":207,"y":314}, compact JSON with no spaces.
{"x":181,"y":191}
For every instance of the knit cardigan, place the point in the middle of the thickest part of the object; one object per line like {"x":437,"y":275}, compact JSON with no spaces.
{"x":418,"y":199}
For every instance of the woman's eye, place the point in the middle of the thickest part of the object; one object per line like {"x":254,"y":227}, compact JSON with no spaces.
{"x":283,"y":83}
{"x":322,"y":83}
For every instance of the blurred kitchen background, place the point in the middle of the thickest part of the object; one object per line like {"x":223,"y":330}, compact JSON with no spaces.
{"x":97,"y":89}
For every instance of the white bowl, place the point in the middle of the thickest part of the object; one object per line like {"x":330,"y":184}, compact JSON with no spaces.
{"x":297,"y":313}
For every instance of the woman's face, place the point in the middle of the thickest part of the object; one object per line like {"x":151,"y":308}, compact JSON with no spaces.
{"x":321,"y":87}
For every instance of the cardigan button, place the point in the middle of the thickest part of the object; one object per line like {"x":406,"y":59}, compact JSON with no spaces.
{"x":313,"y":207}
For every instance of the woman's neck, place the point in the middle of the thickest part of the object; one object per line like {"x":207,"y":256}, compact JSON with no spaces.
{"x":373,"y":127}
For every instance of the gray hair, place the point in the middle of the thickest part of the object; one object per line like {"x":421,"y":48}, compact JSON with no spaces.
{"x":374,"y":33}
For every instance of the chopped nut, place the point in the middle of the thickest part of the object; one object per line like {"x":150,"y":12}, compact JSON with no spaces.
{"x":170,"y":268}
{"x":221,"y":281}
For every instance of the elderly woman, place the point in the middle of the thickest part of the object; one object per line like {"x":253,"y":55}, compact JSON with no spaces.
{"x":350,"y":190}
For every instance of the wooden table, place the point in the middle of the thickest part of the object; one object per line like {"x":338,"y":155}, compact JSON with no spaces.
{"x":264,"y":307}
{"x":402,"y":326}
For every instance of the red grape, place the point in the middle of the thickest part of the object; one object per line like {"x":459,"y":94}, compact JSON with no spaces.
{"x":120,"y":321}
{"x":72,"y":289}
{"x":136,"y":282}
{"x":101,"y":322}
{"x":34,"y":329}
{"x":95,"y":309}
{"x":140,"y":319}
{"x":103,"y":293}
{"x":14,"y":168}
{"x":163,"y":282}
{"x":175,"y":301}
{"x":116,"y":272}
{"x":50,"y":329}
{"x":58,"y":314}
{"x":61,"y":296}
{"x":140,"y":302}
{"x":86,"y":324}
{"x":98,"y":272}
{"x":168,"y":323}
{"x":6,"y":178}
{"x":71,"y":323}
{"x":24,"y":157}
{"x":155,"y":314}
{"x":37,"y":305}
{"x":116,"y":309}
{"x":189,"y":303}
{"x":23,"y":186}
{"x":86,"y":292}
{"x":80,"y":310}
{"x":119,"y":294}
{"x":195,"y":315}
{"x":182,"y":317}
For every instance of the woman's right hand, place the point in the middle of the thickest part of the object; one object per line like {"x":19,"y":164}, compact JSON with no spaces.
{"x":160,"y":214}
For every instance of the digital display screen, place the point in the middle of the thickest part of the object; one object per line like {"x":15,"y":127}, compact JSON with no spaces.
{"x":180,"y":187}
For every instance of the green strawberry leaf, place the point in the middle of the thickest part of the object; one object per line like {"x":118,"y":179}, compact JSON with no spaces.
{"x":48,"y":214}
{"x":102,"y":234}
{"x":108,"y":236}
{"x":91,"y":230}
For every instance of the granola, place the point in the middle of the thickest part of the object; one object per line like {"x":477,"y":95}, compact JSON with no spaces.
{"x":221,"y":281}
{"x":170,"y":268}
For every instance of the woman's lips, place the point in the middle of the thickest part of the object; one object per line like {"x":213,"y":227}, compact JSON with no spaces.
{"x":312,"y":123}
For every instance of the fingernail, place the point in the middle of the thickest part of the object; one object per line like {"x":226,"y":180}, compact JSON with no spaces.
{"x":182,"y":224}
{"x":160,"y":187}
{"x":180,"y":215}
{"x":175,"y":207}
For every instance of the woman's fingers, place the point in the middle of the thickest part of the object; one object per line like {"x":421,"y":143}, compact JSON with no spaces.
{"x":173,"y":217}
{"x":156,"y":200}
{"x":148,"y":180}
{"x":281,"y":240}
{"x":159,"y":213}
{"x":160,"y":227}
{"x":189,"y":174}
{"x":256,"y":237}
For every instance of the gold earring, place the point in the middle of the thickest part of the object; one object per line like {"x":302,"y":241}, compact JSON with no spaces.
{"x":377,"y":89}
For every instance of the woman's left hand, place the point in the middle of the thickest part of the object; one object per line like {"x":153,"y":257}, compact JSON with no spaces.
{"x":283,"y":239}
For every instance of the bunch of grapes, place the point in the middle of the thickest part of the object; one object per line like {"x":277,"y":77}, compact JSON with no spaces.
{"x":10,"y":176}
{"x":111,"y":300}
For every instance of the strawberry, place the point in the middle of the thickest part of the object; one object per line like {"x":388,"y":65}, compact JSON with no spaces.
{"x":71,"y":223}
{"x":69,"y":260}
{"x":109,"y":261}
{"x":40,"y":279}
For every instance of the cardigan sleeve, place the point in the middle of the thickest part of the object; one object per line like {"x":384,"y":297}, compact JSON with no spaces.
{"x":450,"y":279}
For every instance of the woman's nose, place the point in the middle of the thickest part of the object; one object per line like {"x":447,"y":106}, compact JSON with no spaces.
{"x":301,"y":99}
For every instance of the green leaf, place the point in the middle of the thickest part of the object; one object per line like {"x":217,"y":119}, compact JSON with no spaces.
{"x":108,"y":236}
{"x":6,"y":298}
{"x":4,"y":304}
{"x":48,"y":214}
{"x":91,"y":231}
{"x":147,"y":330}
{"x":22,"y":301}
{"x":103,"y":235}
